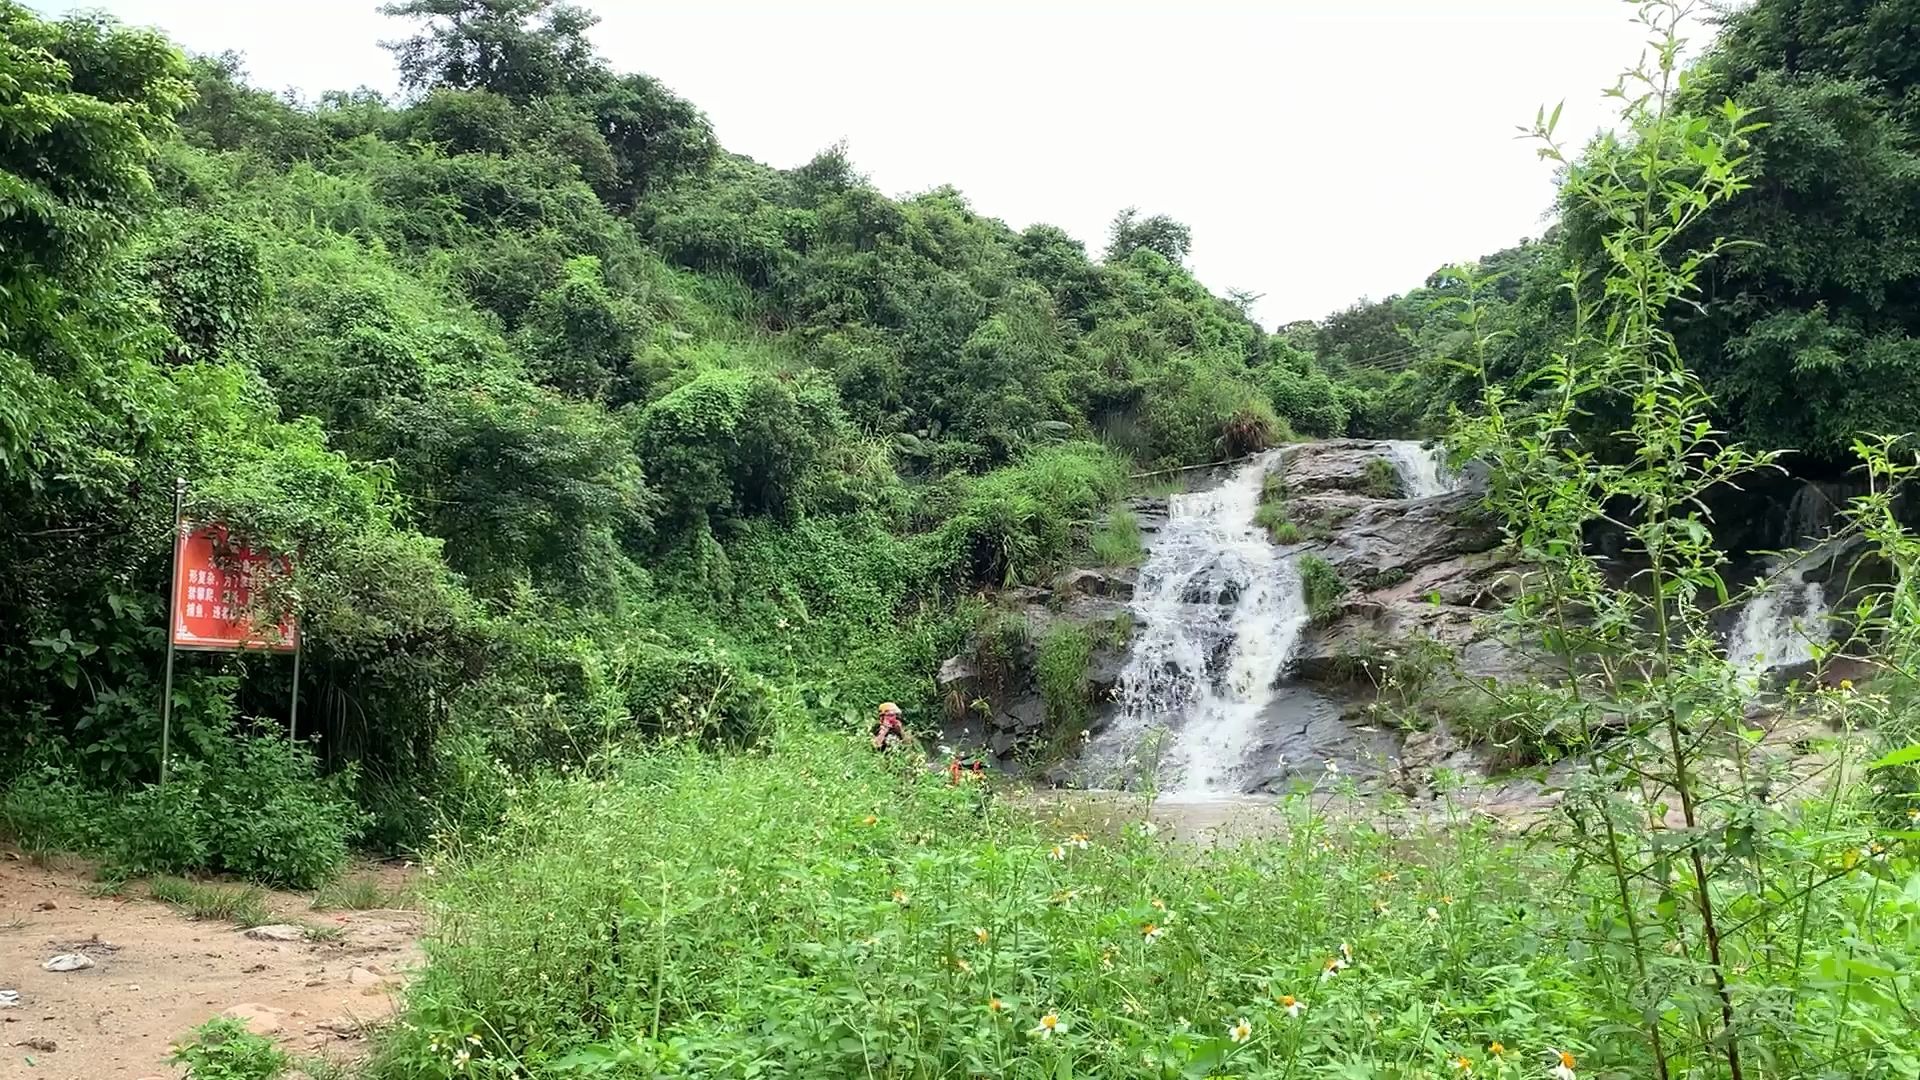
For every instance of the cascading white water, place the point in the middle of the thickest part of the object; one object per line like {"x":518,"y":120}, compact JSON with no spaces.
{"x":1780,"y":626}
{"x":1422,"y":469}
{"x":1221,"y":610}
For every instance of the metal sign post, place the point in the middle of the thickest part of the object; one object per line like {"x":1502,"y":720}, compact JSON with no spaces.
{"x":173,"y":600}
{"x":213,"y":586}
{"x":293,"y":711}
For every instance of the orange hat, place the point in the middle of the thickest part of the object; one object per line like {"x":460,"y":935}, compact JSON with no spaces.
{"x":889,"y":707}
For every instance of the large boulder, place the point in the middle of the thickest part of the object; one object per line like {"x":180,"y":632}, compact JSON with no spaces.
{"x":1103,"y":584}
{"x":1334,"y":465}
{"x":1421,"y":575}
{"x":1306,"y":732}
{"x":1384,"y":543}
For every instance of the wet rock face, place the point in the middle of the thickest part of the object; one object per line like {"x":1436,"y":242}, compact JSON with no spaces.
{"x":1336,"y":465}
{"x":1418,"y":572}
{"x":1104,"y":584}
{"x":1000,"y":717}
{"x":1308,"y":732}
{"x":1394,"y":538}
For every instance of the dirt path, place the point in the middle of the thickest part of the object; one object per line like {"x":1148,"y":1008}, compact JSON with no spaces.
{"x":156,"y":974}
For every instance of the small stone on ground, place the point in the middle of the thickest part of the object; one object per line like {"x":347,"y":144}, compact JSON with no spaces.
{"x":260,"y":1019}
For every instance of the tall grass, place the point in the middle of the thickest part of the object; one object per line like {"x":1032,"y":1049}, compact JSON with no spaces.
{"x":245,"y":905}
{"x":1322,"y":585}
{"x":1117,"y":542}
{"x":1060,"y":669}
{"x":816,"y":911}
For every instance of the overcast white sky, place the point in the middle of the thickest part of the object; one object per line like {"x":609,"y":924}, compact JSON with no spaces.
{"x":1321,"y":150}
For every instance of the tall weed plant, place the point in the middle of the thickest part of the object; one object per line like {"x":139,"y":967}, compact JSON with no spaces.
{"x":1701,"y":881}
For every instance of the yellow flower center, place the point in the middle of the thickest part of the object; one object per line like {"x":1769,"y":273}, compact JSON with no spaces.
{"x":1566,"y":1059}
{"x":1496,"y":1049}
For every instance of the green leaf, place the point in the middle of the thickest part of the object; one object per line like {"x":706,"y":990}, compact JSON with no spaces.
{"x":1906,"y":755}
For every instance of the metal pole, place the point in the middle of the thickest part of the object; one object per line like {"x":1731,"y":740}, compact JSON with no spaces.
{"x":173,"y":599}
{"x":293,"y":714}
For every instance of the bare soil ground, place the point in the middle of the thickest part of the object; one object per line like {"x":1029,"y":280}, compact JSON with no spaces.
{"x":157,"y":973}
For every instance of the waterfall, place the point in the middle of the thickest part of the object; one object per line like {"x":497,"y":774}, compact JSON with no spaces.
{"x":1780,"y":626}
{"x":1422,"y":469}
{"x":1221,"y":610}
{"x":1783,"y":622}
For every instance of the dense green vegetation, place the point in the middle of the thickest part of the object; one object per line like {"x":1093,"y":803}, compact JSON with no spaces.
{"x":1810,"y":330}
{"x":624,"y":475}
{"x":581,"y":427}
{"x":810,"y":912}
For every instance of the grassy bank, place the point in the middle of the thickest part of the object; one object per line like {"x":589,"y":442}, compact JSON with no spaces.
{"x":809,"y":912}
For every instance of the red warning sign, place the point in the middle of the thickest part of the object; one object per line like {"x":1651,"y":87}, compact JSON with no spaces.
{"x":217,"y":586}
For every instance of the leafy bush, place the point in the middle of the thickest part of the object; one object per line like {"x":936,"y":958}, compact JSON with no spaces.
{"x":1308,"y":402}
{"x":704,"y":694}
{"x":254,"y":806}
{"x":1017,"y":524}
{"x":223,"y":1049}
{"x":48,"y":809}
{"x":1322,"y":585}
{"x":1199,"y":411}
{"x":274,"y":817}
{"x":164,"y":830}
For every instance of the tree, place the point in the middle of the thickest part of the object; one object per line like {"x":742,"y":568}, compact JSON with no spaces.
{"x":581,"y":335}
{"x":1813,"y":335}
{"x":227,"y":114}
{"x":519,"y":49}
{"x":82,"y":104}
{"x":654,"y":134}
{"x":1130,"y":232}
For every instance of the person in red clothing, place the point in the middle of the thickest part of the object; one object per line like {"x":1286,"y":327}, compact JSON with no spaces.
{"x":890,"y":732}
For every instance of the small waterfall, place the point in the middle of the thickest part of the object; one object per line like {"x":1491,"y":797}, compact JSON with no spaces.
{"x":1780,"y":626}
{"x":1423,"y":470}
{"x":1221,"y":612}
